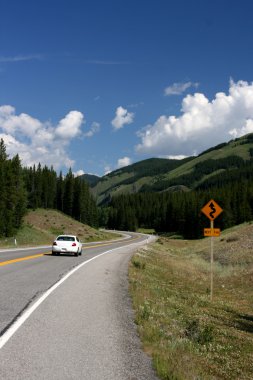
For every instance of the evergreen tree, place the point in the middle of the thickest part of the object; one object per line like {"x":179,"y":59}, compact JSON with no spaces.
{"x":68,"y":197}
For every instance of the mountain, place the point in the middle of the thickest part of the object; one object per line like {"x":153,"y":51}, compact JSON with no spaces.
{"x":91,"y":179}
{"x":159,"y":175}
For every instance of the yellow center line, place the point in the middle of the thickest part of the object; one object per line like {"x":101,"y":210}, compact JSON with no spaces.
{"x":20,"y":259}
{"x":42,"y":254}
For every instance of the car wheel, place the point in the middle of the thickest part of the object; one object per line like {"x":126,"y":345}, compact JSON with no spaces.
{"x":77,"y":254}
{"x":80,"y":253}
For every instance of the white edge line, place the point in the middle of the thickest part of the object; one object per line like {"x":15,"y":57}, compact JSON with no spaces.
{"x":19,"y":322}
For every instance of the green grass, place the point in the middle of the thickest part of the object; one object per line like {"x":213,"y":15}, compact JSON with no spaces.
{"x":229,"y":150}
{"x":188,"y":336}
{"x":146,"y":230}
{"x":27,"y":236}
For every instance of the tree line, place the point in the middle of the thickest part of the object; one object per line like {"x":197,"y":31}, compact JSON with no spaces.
{"x":40,"y":187}
{"x":12,"y":193}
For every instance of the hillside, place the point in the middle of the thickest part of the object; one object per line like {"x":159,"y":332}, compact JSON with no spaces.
{"x":40,"y":227}
{"x":164,"y":174}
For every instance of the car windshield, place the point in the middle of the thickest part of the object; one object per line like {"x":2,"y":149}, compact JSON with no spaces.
{"x":66,"y":238}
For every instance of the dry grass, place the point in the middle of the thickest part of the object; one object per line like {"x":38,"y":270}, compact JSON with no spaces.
{"x":188,"y":336}
{"x":43,"y":225}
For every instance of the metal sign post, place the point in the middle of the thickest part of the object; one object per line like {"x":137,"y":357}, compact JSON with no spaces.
{"x":211,"y":210}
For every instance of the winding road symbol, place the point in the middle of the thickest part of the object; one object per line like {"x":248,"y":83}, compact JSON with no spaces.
{"x":212,"y":210}
{"x":212,"y":213}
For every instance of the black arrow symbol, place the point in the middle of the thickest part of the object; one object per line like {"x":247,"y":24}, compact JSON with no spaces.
{"x":213,"y":210}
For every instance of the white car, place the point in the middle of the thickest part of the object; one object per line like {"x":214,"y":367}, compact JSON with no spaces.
{"x":67,"y":244}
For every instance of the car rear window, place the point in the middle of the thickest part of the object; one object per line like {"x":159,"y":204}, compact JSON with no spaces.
{"x":66,"y":238}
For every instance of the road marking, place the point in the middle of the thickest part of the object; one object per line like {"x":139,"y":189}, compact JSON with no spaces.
{"x":42,"y":254}
{"x":20,"y":259}
{"x":19,"y":322}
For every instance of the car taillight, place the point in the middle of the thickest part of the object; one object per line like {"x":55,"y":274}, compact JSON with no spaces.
{"x":73,"y":244}
{"x":54,"y":243}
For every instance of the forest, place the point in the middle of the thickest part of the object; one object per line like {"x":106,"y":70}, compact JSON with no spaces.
{"x":40,"y":187}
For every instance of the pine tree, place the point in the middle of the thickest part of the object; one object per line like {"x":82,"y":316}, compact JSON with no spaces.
{"x":68,"y":193}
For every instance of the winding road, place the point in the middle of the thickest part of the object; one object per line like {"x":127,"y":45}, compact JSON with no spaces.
{"x":64,"y":317}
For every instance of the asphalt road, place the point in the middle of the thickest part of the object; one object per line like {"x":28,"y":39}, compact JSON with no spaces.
{"x":83,"y":329}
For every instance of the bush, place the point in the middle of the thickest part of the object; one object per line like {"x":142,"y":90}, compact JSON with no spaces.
{"x":198,"y":334}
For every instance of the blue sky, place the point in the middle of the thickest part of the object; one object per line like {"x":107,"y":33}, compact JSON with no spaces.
{"x":96,"y":85}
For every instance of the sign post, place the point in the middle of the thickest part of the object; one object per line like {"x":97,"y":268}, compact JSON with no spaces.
{"x":211,"y":210}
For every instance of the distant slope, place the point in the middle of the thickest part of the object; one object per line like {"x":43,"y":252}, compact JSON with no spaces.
{"x":212,"y":162}
{"x":130,"y":179}
{"x":156,"y":174}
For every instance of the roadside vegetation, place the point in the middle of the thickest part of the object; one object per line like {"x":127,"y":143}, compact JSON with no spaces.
{"x":188,"y":336}
{"x":30,"y":188}
{"x":41,"y":226}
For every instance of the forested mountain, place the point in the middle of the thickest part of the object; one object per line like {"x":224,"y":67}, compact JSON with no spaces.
{"x":91,"y":179}
{"x":132,"y":178}
{"x":223,"y":173}
{"x":40,"y":187}
{"x":157,"y":175}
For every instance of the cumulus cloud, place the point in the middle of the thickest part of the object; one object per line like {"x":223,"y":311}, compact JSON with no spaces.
{"x":37,"y":141}
{"x":125,"y":161}
{"x":70,"y":125}
{"x":179,"y":88}
{"x":122,"y":117}
{"x":95,"y":128}
{"x":202,"y":124}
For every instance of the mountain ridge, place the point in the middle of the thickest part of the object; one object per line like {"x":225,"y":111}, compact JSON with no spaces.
{"x":160,"y":174}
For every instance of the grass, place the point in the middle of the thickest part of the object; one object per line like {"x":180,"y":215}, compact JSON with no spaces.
{"x":41,"y":226}
{"x":187,"y":335}
{"x":231,"y":149}
{"x":146,"y":231}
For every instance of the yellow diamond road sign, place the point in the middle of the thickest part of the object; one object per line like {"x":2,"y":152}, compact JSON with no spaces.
{"x":212,"y":210}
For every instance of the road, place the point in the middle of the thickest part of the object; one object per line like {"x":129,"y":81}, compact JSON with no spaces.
{"x":64,"y":317}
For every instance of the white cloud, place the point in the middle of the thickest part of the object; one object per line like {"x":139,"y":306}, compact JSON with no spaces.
{"x":78,"y":173}
{"x":179,"y":88}
{"x":178,"y":157}
{"x":70,"y":125}
{"x":125,"y":161}
{"x":23,"y":123}
{"x":122,"y":117}
{"x":202,"y":124}
{"x":107,"y":169}
{"x":95,"y":128}
{"x":21,"y":58}
{"x":37,"y":141}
